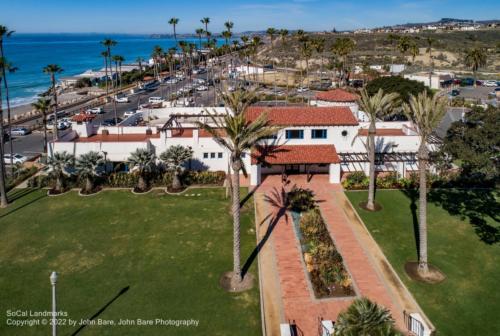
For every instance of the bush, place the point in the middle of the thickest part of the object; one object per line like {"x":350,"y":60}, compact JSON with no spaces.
{"x":20,"y":175}
{"x":300,"y":199}
{"x":356,"y":180}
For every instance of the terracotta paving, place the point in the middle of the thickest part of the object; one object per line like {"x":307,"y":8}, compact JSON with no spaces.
{"x":298,"y":301}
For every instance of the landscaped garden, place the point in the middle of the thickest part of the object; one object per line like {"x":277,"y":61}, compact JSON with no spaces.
{"x":126,"y":256}
{"x":464,"y":243}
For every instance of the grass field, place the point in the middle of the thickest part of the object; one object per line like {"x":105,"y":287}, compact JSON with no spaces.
{"x":123,"y":256}
{"x":464,"y":242}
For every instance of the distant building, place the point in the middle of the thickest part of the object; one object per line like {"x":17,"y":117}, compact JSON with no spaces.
{"x":438,"y":80}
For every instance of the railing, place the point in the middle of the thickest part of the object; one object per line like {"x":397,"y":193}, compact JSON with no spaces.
{"x":415,"y":325}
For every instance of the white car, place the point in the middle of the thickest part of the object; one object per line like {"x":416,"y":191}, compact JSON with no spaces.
{"x":95,"y":110}
{"x":490,"y":83}
{"x":172,"y":81}
{"x":302,"y":89}
{"x":155,"y":100}
{"x":122,"y":99}
{"x":16,"y":158}
{"x":202,"y":88}
{"x":20,"y":131}
{"x":130,"y":113}
{"x":200,"y":80}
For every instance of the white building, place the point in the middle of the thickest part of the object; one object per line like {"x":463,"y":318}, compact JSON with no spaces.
{"x":323,"y":139}
{"x":438,"y":80}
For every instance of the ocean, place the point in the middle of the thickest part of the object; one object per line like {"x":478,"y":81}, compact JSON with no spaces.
{"x":75,"y":53}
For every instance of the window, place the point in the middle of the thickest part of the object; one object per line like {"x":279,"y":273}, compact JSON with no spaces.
{"x":318,"y":133}
{"x":212,"y":155}
{"x":219,"y":155}
{"x":205,"y":155}
{"x":295,"y":134}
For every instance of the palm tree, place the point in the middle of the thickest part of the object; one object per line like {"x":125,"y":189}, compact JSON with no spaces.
{"x":174,"y":21}
{"x":374,"y":107}
{"x":319,"y":47}
{"x":206,"y":21}
{"x":52,"y":70}
{"x":156,"y":55}
{"x":118,"y":63}
{"x":60,"y":164}
{"x":42,"y":106}
{"x":425,"y":112}
{"x":175,"y":157}
{"x":342,"y":47}
{"x":430,"y":42}
{"x":284,"y":33}
{"x":365,"y":318}
{"x":475,"y":58}
{"x":226,"y":34}
{"x":404,"y":45}
{"x":105,"y":55}
{"x":414,"y":51}
{"x":199,"y":32}
{"x":140,"y":60}
{"x":3,"y":192}
{"x":256,"y":40}
{"x":88,"y":166}
{"x":237,"y":136}
{"x":5,"y":32}
{"x":143,"y":161}
{"x":272,"y":32}
{"x":306,"y":49}
{"x":108,"y":43}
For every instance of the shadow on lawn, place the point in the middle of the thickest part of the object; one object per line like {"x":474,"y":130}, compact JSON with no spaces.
{"x":475,"y":204}
{"x":413,"y":195}
{"x":277,"y":200}
{"x":100,"y":311}
{"x":14,"y":196}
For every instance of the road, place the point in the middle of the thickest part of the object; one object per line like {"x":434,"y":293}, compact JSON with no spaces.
{"x":32,"y":144}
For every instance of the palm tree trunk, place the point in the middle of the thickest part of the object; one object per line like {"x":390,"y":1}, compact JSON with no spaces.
{"x":236,"y":224}
{"x":370,"y":204}
{"x":54,"y":93}
{"x":422,"y":209}
{"x":45,"y":141}
{"x":106,"y":71}
{"x":9,"y":124}
{"x":3,"y":193}
{"x":176,"y":181}
{"x":88,"y":185}
{"x":59,"y":184}
{"x":141,"y":185}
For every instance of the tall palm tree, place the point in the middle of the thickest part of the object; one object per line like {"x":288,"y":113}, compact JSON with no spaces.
{"x":88,"y":166}
{"x":175,"y":157}
{"x":430,"y":42}
{"x":226,"y":34}
{"x":272,"y":32}
{"x":404,"y":45}
{"x":42,"y":106}
{"x":143,"y":161}
{"x":365,"y":318}
{"x":374,"y":107}
{"x":105,"y":55}
{"x":414,"y":51}
{"x":108,"y":43}
{"x":319,"y":47}
{"x":475,"y":58}
{"x":425,"y":112}
{"x":157,"y":55}
{"x":256,"y":40}
{"x":206,"y":21}
{"x":306,"y":50}
{"x":118,"y":63}
{"x":284,"y":34}
{"x":174,"y":21}
{"x":343,"y":47}
{"x":52,"y":70}
{"x":199,"y":32}
{"x":7,"y":67}
{"x":60,"y":164}
{"x":237,"y":135}
{"x":3,"y":191}
{"x":140,"y":60}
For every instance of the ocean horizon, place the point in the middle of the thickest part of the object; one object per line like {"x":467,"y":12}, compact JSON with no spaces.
{"x":74,"y":52}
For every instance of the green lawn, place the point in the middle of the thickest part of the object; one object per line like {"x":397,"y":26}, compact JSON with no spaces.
{"x":169,"y":251}
{"x":464,"y":242}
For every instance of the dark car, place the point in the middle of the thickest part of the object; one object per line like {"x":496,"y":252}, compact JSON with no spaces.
{"x":111,"y":122}
{"x":455,"y":93}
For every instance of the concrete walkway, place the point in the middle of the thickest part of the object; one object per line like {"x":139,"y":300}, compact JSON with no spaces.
{"x":287,"y":292}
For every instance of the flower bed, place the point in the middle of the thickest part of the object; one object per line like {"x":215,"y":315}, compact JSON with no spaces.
{"x":327,"y":273}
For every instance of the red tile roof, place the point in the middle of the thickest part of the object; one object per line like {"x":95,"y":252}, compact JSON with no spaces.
{"x":118,"y":138}
{"x":304,"y":115}
{"x":383,"y":132}
{"x":337,"y":95}
{"x":304,"y":154}
{"x":82,"y":117}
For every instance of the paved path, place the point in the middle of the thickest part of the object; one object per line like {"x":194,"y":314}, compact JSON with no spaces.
{"x":362,"y":257}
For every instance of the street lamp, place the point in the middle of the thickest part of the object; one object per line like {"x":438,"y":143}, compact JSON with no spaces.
{"x":53,"y":281}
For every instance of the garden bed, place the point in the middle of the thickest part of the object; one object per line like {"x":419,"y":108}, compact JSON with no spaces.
{"x":324,"y":264}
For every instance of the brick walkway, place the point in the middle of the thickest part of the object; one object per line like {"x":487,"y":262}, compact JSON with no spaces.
{"x":297,"y":297}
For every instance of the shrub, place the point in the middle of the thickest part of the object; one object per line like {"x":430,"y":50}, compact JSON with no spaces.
{"x":20,"y":175}
{"x":300,"y":199}
{"x":387,"y":181}
{"x":356,"y":180}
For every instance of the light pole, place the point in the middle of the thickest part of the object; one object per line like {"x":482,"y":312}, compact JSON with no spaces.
{"x":53,"y":281}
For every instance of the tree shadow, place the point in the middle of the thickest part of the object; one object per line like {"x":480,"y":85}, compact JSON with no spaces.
{"x":413,"y":195}
{"x":476,"y":205}
{"x":100,"y":311}
{"x":23,"y":205}
{"x":278,"y":201}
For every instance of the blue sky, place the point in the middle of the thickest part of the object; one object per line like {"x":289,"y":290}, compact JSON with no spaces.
{"x":126,"y":16}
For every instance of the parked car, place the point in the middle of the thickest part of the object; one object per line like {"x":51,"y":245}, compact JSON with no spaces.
{"x":155,"y":100}
{"x":111,"y":122}
{"x":302,"y":89}
{"x":95,"y":110}
{"x":130,"y":113}
{"x":202,"y":88}
{"x":121,"y":99}
{"x":20,"y":131}
{"x":455,"y":93}
{"x":172,"y":81}
{"x":16,"y":158}
{"x":490,"y":83}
